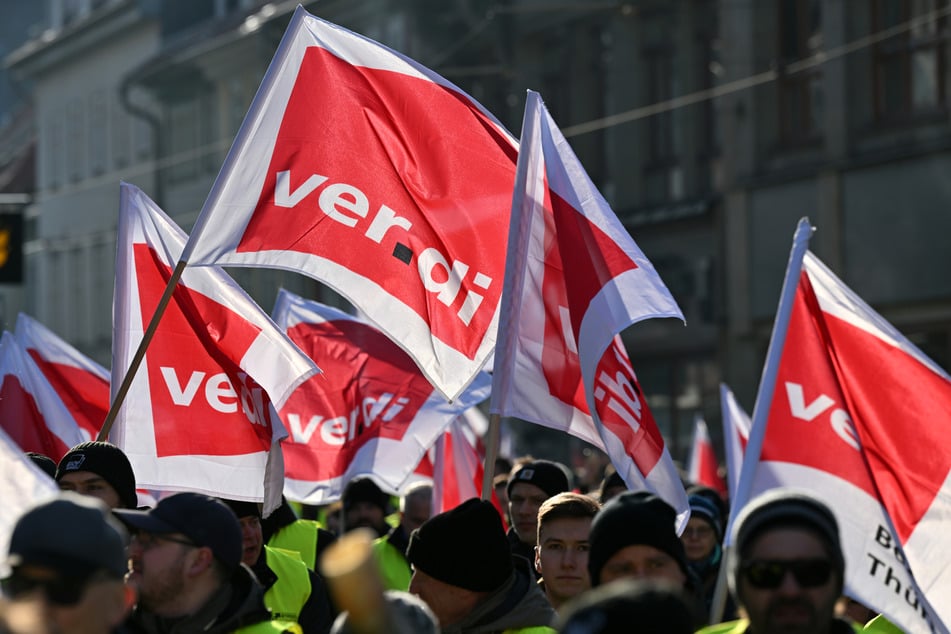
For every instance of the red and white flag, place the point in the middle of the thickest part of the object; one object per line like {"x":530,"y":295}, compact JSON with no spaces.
{"x":858,"y":416}
{"x":200,"y":412}
{"x":372,"y":412}
{"x":81,"y":383}
{"x":361,"y":168}
{"x":702,"y":464}
{"x":736,"y":431}
{"x":575,"y":279}
{"x":31,"y":412}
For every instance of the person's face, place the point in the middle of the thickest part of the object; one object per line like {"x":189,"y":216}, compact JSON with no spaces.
{"x":449,"y":603}
{"x":91,"y":484}
{"x":157,"y":570}
{"x":252,"y":539}
{"x":93,"y":606}
{"x":775,"y":599}
{"x":524,"y":503}
{"x":699,"y":539}
{"x":416,"y":511}
{"x":364,"y":514}
{"x":642,"y":562}
{"x":562,"y":557}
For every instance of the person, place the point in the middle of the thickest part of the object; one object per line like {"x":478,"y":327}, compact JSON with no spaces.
{"x":283,"y":529}
{"x":416,"y":506}
{"x":44,"y":462}
{"x":702,"y":545}
{"x":612,"y":485}
{"x":561,"y":556}
{"x":405,"y":614}
{"x":69,"y":554}
{"x":365,"y":505}
{"x":531,"y":483}
{"x":291,"y":591}
{"x":99,"y":469}
{"x":464,"y":570}
{"x":629,"y":605}
{"x":787,"y":568}
{"x":185,"y":562}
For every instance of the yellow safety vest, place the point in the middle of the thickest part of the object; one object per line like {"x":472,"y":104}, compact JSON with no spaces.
{"x":394,"y":569}
{"x":287,"y":596}
{"x":300,"y":537}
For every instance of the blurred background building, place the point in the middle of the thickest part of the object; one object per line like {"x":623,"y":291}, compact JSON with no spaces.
{"x":711,"y":126}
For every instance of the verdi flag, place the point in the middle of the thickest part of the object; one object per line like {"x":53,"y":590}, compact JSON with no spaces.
{"x":575,"y":278}
{"x":839,"y":377}
{"x":31,"y":412}
{"x":736,"y":431}
{"x":372,"y":412}
{"x":702,"y":464}
{"x":361,"y":168}
{"x":82,"y":384}
{"x":200,"y":414}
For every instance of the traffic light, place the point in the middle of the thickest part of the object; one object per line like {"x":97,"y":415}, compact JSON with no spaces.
{"x":11,"y":248}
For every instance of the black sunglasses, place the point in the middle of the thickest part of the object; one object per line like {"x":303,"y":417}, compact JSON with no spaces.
{"x":57,"y":590}
{"x":808,"y":573}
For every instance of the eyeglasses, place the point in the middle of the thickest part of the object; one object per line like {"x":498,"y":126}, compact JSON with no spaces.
{"x":148,"y":541}
{"x":808,"y":573}
{"x":57,"y":590}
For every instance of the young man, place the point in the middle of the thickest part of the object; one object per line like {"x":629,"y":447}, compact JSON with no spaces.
{"x":529,"y":486}
{"x":101,"y":470}
{"x":561,"y":556}
{"x":787,"y":567}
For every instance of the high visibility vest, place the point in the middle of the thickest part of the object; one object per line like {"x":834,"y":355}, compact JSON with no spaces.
{"x":535,"y":629}
{"x":270,"y":627}
{"x":300,"y":537}
{"x":394,"y":569}
{"x":881,"y":624}
{"x":287,"y":596}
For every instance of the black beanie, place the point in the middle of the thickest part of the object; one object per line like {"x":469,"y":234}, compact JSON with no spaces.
{"x":784,"y":507}
{"x":545,"y":474}
{"x":242,"y":508}
{"x":464,"y":547}
{"x":364,"y":490}
{"x":704,"y":509}
{"x":105,"y":460}
{"x":631,"y":519}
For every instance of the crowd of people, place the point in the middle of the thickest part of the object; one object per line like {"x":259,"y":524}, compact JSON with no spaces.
{"x":547,"y":557}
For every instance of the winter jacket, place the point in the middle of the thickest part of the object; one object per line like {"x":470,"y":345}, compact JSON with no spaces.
{"x":742,"y":626}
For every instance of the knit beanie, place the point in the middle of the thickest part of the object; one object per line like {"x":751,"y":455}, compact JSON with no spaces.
{"x":548,"y":476}
{"x":632,"y":519}
{"x":464,"y":547}
{"x":108,"y":462}
{"x":364,"y":490}
{"x":786,"y":507}
{"x":704,"y":509}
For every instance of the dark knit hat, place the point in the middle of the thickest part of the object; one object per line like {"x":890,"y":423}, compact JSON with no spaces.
{"x":631,"y":519}
{"x":242,"y":508}
{"x":364,"y":490}
{"x":206,"y":521}
{"x":105,"y":460}
{"x":464,"y":547}
{"x":648,"y":606}
{"x":548,"y":476}
{"x":785,"y":507}
{"x":704,"y":509}
{"x":43,"y":462}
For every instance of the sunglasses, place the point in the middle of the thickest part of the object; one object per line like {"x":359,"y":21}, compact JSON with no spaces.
{"x":57,"y":590}
{"x":808,"y":573}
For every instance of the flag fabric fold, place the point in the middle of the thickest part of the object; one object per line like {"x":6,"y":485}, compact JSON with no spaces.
{"x":31,"y":412}
{"x":702,"y":464}
{"x":575,"y":278}
{"x":350,"y":143}
{"x":736,"y":432}
{"x":200,"y":414}
{"x":82,"y":384}
{"x":838,"y":424}
{"x":372,"y":412}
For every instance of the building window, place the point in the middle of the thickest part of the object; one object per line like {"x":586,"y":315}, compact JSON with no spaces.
{"x":56,"y":159}
{"x":119,"y":124}
{"x":75,"y":139}
{"x":98,"y":132}
{"x":910,"y":67}
{"x":800,"y":91}
{"x":663,"y":174}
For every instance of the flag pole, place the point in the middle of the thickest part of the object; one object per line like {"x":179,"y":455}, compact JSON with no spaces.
{"x":140,"y":352}
{"x":491,"y":453}
{"x":764,"y":400}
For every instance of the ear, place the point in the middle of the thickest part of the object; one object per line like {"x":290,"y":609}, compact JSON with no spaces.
{"x":199,"y":560}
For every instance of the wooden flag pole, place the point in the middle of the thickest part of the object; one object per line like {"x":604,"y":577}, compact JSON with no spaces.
{"x":140,"y":353}
{"x":491,"y":453}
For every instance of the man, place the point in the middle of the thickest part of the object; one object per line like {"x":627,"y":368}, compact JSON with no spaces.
{"x":416,"y":506}
{"x":465,"y":571}
{"x":786,"y":569}
{"x":530,"y":485}
{"x":185,"y":562}
{"x":292,"y":592}
{"x":561,"y":557}
{"x":283,"y":529}
{"x":629,"y":605}
{"x":69,"y":553}
{"x":101,"y":470}
{"x":365,"y":505}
